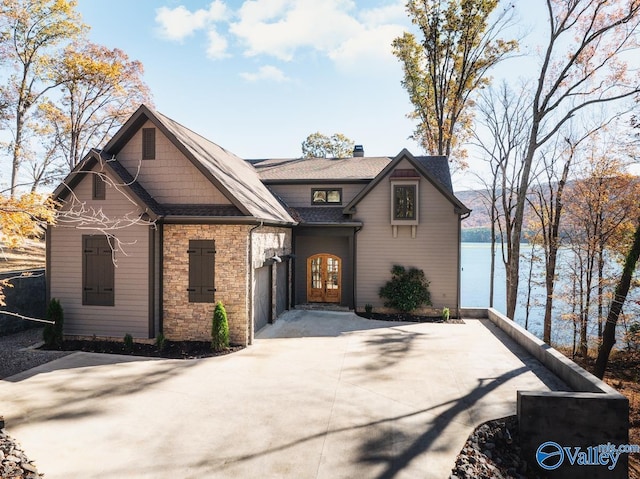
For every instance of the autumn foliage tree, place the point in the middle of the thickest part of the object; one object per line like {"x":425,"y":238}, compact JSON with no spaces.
{"x":318,"y":145}
{"x":31,"y":30}
{"x":22,"y":217}
{"x":460,"y":42}
{"x":581,"y":68}
{"x":65,"y":94}
{"x":100,"y":88}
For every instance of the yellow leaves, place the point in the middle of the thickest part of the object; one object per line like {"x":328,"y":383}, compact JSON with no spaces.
{"x":24,"y":217}
{"x":444,"y":67}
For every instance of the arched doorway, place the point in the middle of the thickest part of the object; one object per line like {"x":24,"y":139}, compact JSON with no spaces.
{"x":324,"y":278}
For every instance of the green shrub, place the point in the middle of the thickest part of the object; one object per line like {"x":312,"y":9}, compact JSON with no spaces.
{"x":445,"y":314}
{"x":407,"y":289}
{"x":368,"y":308}
{"x":219,"y":328}
{"x":52,"y":334}
{"x":128,"y":343}
{"x":160,"y":342}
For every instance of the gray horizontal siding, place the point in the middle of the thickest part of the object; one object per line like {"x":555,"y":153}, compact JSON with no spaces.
{"x":130,"y":314}
{"x":434,"y":249}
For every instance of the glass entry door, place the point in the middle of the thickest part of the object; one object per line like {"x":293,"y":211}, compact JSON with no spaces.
{"x":324,"y":278}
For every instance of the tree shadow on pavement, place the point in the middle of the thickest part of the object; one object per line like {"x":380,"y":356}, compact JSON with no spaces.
{"x":372,"y":453}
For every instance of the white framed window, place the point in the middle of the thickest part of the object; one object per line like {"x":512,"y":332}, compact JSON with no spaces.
{"x":405,"y":202}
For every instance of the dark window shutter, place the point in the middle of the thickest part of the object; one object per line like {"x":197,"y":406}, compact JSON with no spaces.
{"x":148,"y":143}
{"x":98,"y":272}
{"x":201,"y":271}
{"x":99,"y":187}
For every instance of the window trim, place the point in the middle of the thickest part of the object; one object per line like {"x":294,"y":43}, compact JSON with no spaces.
{"x":99,"y":187}
{"x":326,"y":191}
{"x":404,"y":184}
{"x":148,"y":143}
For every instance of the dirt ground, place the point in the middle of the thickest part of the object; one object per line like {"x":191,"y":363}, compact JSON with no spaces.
{"x":29,"y":255}
{"x":623,"y":373}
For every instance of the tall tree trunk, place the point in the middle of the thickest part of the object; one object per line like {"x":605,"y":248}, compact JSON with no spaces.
{"x":600,"y":289}
{"x":513,"y":264}
{"x":619,"y":297}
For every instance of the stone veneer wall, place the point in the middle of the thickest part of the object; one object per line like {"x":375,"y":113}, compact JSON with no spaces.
{"x":187,"y":321}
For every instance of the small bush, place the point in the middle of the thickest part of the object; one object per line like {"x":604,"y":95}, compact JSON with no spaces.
{"x":52,"y":334}
{"x":160,"y":342}
{"x":128,"y":343}
{"x":407,"y":290}
{"x":368,"y":308}
{"x":445,"y":314}
{"x":219,"y":328}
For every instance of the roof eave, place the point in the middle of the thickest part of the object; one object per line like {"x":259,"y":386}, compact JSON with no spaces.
{"x":351,"y":224}
{"x":230,"y":220}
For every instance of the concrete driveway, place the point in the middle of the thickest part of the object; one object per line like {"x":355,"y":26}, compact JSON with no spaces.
{"x":319,"y":395}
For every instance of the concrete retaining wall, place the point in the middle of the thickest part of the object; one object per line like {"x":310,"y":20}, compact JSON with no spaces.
{"x":27,"y":297}
{"x":592,"y":415}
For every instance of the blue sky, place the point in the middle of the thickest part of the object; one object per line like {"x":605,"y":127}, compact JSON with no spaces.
{"x":257,"y":77}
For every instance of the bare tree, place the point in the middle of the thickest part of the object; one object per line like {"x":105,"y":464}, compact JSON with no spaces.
{"x":503,"y":119}
{"x":581,"y":68}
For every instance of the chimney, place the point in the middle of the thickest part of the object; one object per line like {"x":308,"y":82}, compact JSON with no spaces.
{"x":358,"y":150}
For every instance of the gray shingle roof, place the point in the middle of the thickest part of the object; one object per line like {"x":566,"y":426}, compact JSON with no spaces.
{"x":136,"y":187}
{"x":359,"y":168}
{"x":232,"y":175}
{"x":321,"y":215}
{"x":438,"y":166}
{"x":201,"y":210}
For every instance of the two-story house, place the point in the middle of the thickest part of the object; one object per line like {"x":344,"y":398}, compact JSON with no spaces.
{"x":161,"y":223}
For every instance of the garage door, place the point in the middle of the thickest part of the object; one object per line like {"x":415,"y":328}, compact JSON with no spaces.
{"x":281,"y":285}
{"x":261,"y":297}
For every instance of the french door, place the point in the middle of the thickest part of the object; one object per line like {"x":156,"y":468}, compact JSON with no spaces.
{"x":324,"y":275}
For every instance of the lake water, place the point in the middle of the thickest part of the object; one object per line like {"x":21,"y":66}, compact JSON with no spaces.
{"x":475,"y":285}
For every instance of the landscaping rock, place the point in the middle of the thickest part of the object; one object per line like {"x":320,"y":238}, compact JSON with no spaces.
{"x":14,"y":463}
{"x":492,"y":452}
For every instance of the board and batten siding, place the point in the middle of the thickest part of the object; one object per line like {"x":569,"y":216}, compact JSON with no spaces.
{"x":130,"y":314}
{"x":434,"y":249}
{"x":300,"y":195}
{"x":170,"y":178}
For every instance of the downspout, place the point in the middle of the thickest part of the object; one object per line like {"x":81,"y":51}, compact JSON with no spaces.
{"x":250,"y":276}
{"x":161,"y":276}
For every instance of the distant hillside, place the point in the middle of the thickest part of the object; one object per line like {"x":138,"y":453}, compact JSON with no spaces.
{"x":476,"y":200}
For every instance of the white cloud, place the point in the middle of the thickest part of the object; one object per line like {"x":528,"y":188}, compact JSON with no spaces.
{"x":370,"y":47}
{"x":267,"y":72}
{"x":217,"y":48}
{"x":179,"y":22}
{"x":281,"y":27}
{"x":285,"y":29}
{"x":385,"y":15}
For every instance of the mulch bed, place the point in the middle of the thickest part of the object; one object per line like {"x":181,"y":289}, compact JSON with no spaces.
{"x":171,"y":349}
{"x":408,"y":318}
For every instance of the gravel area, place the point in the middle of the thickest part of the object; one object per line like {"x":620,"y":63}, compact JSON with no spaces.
{"x":493,"y":452}
{"x":18,"y":352}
